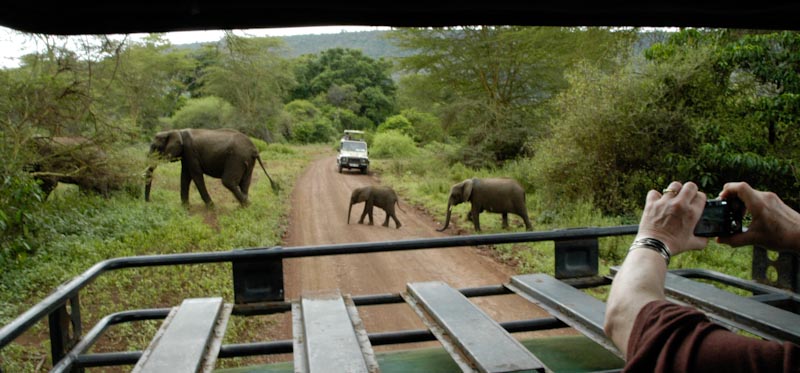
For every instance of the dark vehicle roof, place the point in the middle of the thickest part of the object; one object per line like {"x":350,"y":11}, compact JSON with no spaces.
{"x":105,"y":17}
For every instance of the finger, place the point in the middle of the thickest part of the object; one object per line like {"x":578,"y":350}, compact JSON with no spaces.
{"x":652,"y":196}
{"x":672,"y":190}
{"x":689,"y":190}
{"x":736,"y":240}
{"x":740,"y":189}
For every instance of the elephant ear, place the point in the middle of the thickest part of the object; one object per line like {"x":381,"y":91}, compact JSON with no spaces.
{"x":467,"y":189}
{"x":174,"y":145}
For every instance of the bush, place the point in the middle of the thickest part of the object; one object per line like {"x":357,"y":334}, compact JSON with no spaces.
{"x":20,"y":202}
{"x":204,"y":112}
{"x":261,"y":145}
{"x":397,"y":123}
{"x":318,"y":130}
{"x":392,"y":144}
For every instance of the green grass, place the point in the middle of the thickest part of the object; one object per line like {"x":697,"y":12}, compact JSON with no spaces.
{"x":421,"y":181}
{"x":82,"y":230}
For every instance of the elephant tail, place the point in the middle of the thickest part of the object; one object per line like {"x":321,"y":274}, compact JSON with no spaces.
{"x":397,"y":202}
{"x":275,"y":187}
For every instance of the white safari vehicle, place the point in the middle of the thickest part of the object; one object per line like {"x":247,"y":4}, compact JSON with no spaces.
{"x":353,"y":152}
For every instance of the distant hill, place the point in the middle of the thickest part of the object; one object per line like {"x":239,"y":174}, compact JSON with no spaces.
{"x":375,"y":44}
{"x":372,"y":43}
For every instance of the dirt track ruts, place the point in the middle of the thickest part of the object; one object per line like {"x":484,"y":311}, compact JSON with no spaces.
{"x":319,"y":216}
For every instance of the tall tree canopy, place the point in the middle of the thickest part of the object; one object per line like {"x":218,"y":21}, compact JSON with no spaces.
{"x":492,"y":82}
{"x":253,"y":78}
{"x":348,"y":79}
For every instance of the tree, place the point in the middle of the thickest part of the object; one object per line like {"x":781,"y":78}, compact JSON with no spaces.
{"x":492,"y":82}
{"x":146,"y":81}
{"x":254,"y":79}
{"x":347,"y":79}
{"x":773,"y":61}
{"x":205,"y":112}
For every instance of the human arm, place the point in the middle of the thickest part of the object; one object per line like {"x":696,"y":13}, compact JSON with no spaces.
{"x":669,"y":218}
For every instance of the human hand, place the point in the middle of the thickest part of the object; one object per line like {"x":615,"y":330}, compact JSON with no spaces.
{"x":672,"y":216}
{"x":774,"y":224}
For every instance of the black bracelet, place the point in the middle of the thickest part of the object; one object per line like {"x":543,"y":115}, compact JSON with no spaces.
{"x":652,"y":244}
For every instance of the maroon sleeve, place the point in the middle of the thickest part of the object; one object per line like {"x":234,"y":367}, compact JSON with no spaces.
{"x":667,"y":337}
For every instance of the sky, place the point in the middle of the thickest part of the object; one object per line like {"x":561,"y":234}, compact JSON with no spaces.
{"x":14,"y":44}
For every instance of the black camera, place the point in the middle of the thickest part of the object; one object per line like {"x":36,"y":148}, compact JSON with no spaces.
{"x":721,"y":217}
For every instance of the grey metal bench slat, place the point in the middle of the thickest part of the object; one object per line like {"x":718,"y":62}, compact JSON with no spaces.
{"x":572,"y":306}
{"x":184,"y":342}
{"x":327,"y":338}
{"x":482,"y":340}
{"x":768,"y":320}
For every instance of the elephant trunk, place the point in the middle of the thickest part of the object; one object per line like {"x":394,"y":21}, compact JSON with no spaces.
{"x":447,"y":218}
{"x":149,"y":182}
{"x":348,"y":212}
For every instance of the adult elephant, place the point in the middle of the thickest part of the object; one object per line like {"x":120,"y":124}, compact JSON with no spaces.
{"x":499,"y":195}
{"x":380,"y":196}
{"x":225,"y":154}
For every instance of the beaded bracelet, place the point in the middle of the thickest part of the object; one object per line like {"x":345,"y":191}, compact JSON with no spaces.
{"x":652,"y":244}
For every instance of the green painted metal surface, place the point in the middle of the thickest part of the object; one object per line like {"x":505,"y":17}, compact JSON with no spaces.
{"x":559,"y":354}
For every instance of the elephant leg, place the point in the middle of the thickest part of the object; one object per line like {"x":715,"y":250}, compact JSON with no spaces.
{"x":388,"y":214}
{"x":369,"y":209}
{"x":237,"y":179}
{"x":186,"y":179}
{"x":200,"y":183}
{"x":236,"y":190}
{"x":528,"y":225}
{"x":505,"y":220}
{"x":391,"y":213}
{"x":244,"y":185}
{"x":476,"y":220}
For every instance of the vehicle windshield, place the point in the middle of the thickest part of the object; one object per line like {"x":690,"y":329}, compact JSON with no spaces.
{"x":354,"y":146}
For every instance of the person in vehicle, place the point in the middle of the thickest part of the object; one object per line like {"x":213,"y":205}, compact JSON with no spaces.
{"x":655,"y":335}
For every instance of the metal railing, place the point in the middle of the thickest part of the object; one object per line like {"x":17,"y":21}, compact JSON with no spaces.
{"x":68,"y":345}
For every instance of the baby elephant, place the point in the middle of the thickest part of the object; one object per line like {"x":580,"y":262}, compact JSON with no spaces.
{"x":381,"y":196}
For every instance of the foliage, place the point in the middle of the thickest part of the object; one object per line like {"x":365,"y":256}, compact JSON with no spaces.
{"x":347,"y":79}
{"x":260,"y":145}
{"x":205,"y":112}
{"x":490,"y":82}
{"x":619,"y":126}
{"x":77,"y":231}
{"x":426,"y":126}
{"x":392,"y":144}
{"x":144,"y":81}
{"x":253,"y":78}
{"x":317,"y":130}
{"x":397,"y":123}
{"x":305,"y":123}
{"x":20,"y":202}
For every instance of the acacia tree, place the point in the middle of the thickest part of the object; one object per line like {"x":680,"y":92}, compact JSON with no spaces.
{"x":144,"y":81}
{"x":254,"y":79}
{"x":492,"y":82}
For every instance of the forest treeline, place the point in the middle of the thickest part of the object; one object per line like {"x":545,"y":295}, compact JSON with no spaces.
{"x":581,"y":113}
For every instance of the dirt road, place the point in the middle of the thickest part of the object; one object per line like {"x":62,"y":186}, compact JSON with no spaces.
{"x":319,"y":216}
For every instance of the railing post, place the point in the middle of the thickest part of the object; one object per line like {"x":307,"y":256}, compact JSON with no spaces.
{"x":258,"y":280}
{"x":65,"y":329}
{"x":576,"y":258}
{"x":786,"y":266}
